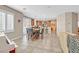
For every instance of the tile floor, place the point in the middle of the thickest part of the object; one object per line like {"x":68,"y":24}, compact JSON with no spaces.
{"x":49,"y":44}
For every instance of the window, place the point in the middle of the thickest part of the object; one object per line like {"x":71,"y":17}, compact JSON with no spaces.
{"x":10,"y":22}
{"x":2,"y":21}
{"x":6,"y":22}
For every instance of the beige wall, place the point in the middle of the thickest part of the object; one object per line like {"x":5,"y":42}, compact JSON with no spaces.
{"x":18,"y":26}
{"x":71,"y":23}
{"x":75,"y":22}
{"x":67,"y":22}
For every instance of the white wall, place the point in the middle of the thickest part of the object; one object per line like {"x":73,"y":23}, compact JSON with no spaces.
{"x":27,"y":22}
{"x":61,"y":23}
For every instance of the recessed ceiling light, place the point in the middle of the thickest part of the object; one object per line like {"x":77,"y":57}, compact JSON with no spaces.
{"x":49,"y":6}
{"x":24,"y":8}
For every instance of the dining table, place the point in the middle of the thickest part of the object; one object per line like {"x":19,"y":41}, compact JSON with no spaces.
{"x":36,"y":33}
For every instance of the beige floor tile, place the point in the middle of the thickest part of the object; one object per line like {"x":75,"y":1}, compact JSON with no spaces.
{"x":49,"y":44}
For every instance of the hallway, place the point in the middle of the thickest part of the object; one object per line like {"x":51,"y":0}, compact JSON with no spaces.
{"x":48,"y":44}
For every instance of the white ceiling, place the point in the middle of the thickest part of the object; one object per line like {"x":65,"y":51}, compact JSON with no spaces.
{"x":44,"y":11}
